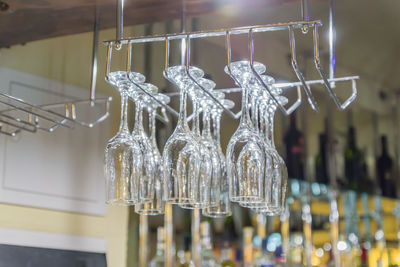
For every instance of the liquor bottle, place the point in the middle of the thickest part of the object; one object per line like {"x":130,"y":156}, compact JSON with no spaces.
{"x":185,"y":256}
{"x":239,"y":257}
{"x":159,"y":258}
{"x":265,"y":259}
{"x":247,"y":246}
{"x":321,"y":163}
{"x":186,"y":261}
{"x":208,"y":258}
{"x":364,"y":256}
{"x":294,"y":141}
{"x":226,"y":256}
{"x":353,"y":162}
{"x":384,"y":165}
{"x":280,"y":260}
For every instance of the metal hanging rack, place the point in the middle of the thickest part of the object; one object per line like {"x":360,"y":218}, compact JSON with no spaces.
{"x":186,"y":37}
{"x":22,"y":115}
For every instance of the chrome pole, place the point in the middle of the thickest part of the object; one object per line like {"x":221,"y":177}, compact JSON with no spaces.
{"x":196,"y":246}
{"x":143,"y":238}
{"x":120,"y":21}
{"x":183,"y":30}
{"x":332,"y":39}
{"x":94,"y":57}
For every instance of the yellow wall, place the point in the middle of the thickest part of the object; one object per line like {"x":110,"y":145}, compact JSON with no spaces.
{"x":68,"y":59}
{"x":112,"y":227}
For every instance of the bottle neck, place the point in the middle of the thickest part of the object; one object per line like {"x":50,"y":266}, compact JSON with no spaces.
{"x":160,"y":248}
{"x":123,"y":126}
{"x":206,"y":243}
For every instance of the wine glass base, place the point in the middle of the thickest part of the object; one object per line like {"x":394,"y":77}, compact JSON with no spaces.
{"x":120,"y":202}
{"x":247,"y":199}
{"x":217,"y":214}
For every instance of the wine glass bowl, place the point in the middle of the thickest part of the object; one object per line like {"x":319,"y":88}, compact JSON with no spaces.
{"x":148,"y":168}
{"x":122,"y":166}
{"x":156,"y":206}
{"x":223,"y":207}
{"x":245,"y":151}
{"x":181,"y":156}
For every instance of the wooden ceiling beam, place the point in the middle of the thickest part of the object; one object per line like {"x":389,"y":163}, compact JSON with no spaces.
{"x":31,"y":20}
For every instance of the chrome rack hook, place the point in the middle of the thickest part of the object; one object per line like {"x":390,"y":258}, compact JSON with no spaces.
{"x":348,"y":101}
{"x":92,"y":96}
{"x":108,"y":62}
{"x":299,"y":74}
{"x":208,"y":93}
{"x":166,"y":65}
{"x":295,"y":105}
{"x":17,"y":123}
{"x":10,"y":133}
{"x":228,"y":48}
{"x":120,"y":24}
{"x":93,"y":77}
{"x":129,"y":69}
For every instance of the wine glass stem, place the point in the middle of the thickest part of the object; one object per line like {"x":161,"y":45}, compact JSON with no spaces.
{"x":138,"y":117}
{"x":245,"y":119}
{"x":152,"y":126}
{"x":123,"y":126}
{"x":269,"y":126}
{"x":216,"y":126}
{"x":196,"y":119}
{"x":255,"y":114}
{"x":207,"y":125}
{"x":182,"y":110}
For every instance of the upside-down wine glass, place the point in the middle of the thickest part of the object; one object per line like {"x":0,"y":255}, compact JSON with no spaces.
{"x":223,"y":207}
{"x":276,"y":172}
{"x":255,"y":94}
{"x":245,"y":151}
{"x":146,"y":179}
{"x":181,"y":155}
{"x":122,"y":168}
{"x":157,"y":206}
{"x":200,"y":189}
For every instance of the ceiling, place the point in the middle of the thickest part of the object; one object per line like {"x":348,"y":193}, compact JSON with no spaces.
{"x":367,"y":36}
{"x":23,"y":21}
{"x":368,"y":41}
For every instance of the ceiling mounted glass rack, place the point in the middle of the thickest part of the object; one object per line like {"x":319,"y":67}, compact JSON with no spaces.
{"x":19,"y":115}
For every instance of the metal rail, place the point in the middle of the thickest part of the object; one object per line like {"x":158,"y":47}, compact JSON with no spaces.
{"x":279,"y":85}
{"x":185,"y":38}
{"x":216,"y":33}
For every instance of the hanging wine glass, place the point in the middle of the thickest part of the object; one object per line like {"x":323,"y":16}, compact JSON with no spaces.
{"x":146,"y":179}
{"x":181,"y":155}
{"x":276,"y":173}
{"x":245,"y":151}
{"x":157,"y":206}
{"x":122,"y":168}
{"x":223,"y":207}
{"x":202,"y":184}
